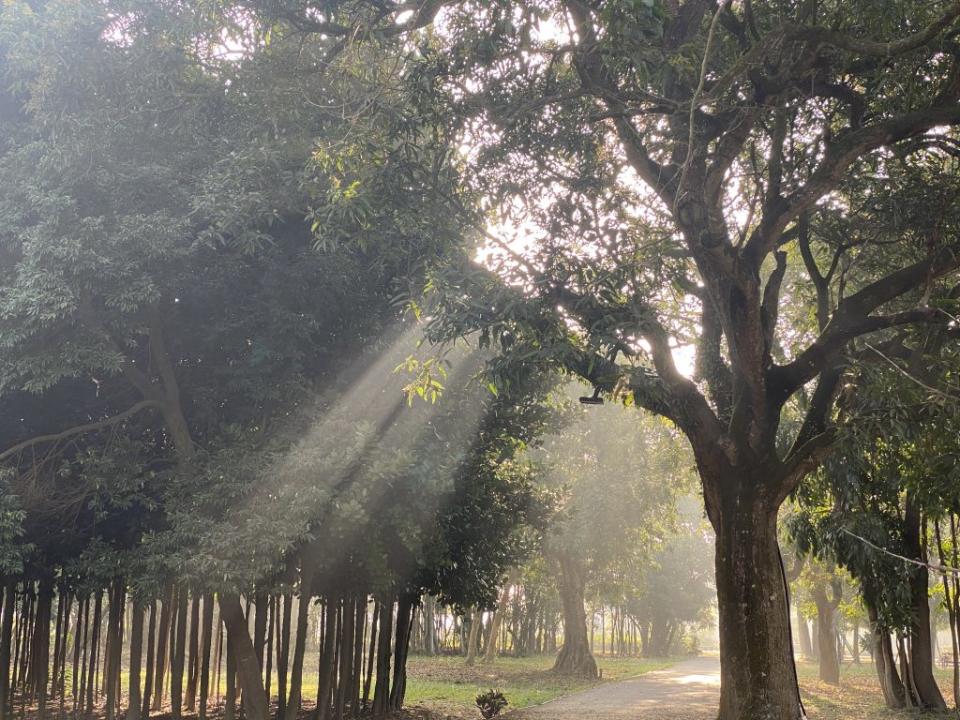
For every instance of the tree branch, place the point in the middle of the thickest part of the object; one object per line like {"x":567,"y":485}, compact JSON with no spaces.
{"x":80,"y":429}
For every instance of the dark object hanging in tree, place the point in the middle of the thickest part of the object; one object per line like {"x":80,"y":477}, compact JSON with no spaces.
{"x":594,"y":399}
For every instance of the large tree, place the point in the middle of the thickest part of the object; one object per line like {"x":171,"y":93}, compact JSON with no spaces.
{"x":660,"y":162}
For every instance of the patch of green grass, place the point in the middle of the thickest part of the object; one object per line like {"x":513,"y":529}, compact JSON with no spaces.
{"x":446,"y":685}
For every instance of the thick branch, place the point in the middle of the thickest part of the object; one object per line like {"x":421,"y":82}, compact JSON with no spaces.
{"x":852,"y":318}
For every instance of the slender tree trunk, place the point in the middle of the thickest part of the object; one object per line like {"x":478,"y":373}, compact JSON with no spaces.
{"x":921,"y":646}
{"x":474,"y":636}
{"x":405,"y":609}
{"x":6,"y":639}
{"x":371,"y":657}
{"x":94,"y":642}
{"x":247,"y":667}
{"x":283,"y":655}
{"x":41,"y":660}
{"x":758,"y":677}
{"x":134,"y":700}
{"x":163,"y":633}
{"x":151,"y":655}
{"x":327,"y":655}
{"x":490,"y":654}
{"x":206,"y":638}
{"x":803,"y":630}
{"x":111,"y":654}
{"x":177,"y":656}
{"x":193,"y":665}
{"x":574,"y":657}
{"x":260,"y":626}
{"x":296,"y":672}
{"x":271,"y":623}
{"x":381,"y":692}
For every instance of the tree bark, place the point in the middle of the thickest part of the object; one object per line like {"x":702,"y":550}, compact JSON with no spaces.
{"x":6,"y":638}
{"x":490,"y":652}
{"x":381,"y":691}
{"x":206,"y":638}
{"x":136,"y":654}
{"x":826,"y":637}
{"x":296,"y":671}
{"x":159,"y":666}
{"x":574,"y":657}
{"x":151,"y":656}
{"x":193,"y":664}
{"x":247,"y":667}
{"x":177,"y":656}
{"x":758,"y":678}
{"x":921,"y":646}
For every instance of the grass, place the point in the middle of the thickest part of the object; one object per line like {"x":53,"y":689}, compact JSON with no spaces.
{"x":447,"y":686}
{"x":857,"y":697}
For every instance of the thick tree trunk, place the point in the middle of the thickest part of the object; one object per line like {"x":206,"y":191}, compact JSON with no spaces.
{"x":921,"y":645}
{"x":758,"y":677}
{"x":247,"y":667}
{"x":574,"y":657}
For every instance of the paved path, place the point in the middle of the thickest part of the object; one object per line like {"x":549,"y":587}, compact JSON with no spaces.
{"x":689,"y":690}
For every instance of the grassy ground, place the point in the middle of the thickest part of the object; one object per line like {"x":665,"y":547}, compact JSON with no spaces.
{"x":446,"y":686}
{"x":858,"y":696}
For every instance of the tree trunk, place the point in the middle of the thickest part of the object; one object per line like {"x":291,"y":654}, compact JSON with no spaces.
{"x":381,"y":691}
{"x":758,"y":678}
{"x":283,"y":654}
{"x":160,"y":664}
{"x":490,"y":654}
{"x":177,"y":656}
{"x":193,"y":664}
{"x":151,"y":656}
{"x":826,"y":638}
{"x":206,"y":638}
{"x":6,"y":638}
{"x":405,"y":610}
{"x":921,"y":646}
{"x":894,"y":693}
{"x":247,"y":667}
{"x":429,"y":629}
{"x":41,"y":646}
{"x":327,"y":656}
{"x":803,"y":630}
{"x":296,"y":672}
{"x":136,"y":653}
{"x":473,"y":638}
{"x":574,"y":657}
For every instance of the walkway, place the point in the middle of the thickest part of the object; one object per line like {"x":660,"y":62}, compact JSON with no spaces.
{"x":688,"y":690}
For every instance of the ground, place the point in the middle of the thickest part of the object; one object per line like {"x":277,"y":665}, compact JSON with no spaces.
{"x":447,"y":686}
{"x":684,"y":689}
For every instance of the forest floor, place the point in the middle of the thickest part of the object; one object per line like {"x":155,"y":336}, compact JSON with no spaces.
{"x":447,"y":687}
